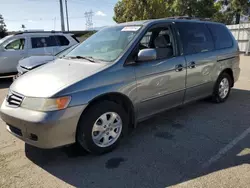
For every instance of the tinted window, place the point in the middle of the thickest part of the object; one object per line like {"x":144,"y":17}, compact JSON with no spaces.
{"x":195,"y":37}
{"x":62,"y":40}
{"x":41,"y":42}
{"x":221,"y":36}
{"x":16,"y":45}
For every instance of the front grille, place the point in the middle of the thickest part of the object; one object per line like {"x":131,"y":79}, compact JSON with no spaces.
{"x":14,"y":100}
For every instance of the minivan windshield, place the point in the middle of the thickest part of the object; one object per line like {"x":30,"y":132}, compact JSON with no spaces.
{"x":107,"y":44}
{"x":65,"y":51}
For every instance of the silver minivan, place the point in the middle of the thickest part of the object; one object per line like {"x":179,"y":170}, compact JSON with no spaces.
{"x":118,"y":77}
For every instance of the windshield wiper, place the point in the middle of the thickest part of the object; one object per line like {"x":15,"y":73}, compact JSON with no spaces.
{"x":91,"y":59}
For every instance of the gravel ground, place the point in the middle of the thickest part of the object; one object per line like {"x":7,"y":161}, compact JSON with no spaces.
{"x":198,"y":145}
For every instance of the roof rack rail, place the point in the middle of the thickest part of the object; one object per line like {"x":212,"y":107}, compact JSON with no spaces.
{"x":23,"y":32}
{"x":189,"y":18}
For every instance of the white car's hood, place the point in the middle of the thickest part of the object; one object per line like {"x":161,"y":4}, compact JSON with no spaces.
{"x":35,"y":61}
{"x":47,"y":80}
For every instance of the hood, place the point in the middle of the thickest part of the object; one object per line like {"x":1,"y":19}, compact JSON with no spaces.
{"x":45,"y":81}
{"x":35,"y":61}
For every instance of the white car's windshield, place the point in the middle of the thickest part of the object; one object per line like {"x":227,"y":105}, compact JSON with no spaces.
{"x":107,"y":44}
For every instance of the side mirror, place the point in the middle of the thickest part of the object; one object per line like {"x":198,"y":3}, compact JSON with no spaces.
{"x":147,"y":55}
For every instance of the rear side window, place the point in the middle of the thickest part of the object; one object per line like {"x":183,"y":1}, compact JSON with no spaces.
{"x":221,"y":36}
{"x":42,"y":42}
{"x":62,"y":40}
{"x":195,"y":37}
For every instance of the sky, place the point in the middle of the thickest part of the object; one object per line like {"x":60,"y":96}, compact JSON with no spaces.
{"x":45,"y":14}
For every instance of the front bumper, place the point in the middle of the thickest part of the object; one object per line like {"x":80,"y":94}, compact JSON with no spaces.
{"x":42,"y":129}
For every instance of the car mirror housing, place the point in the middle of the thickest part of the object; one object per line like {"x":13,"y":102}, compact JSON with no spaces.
{"x":146,"y":55}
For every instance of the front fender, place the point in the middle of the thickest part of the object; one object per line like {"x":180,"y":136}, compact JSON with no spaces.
{"x":86,"y":96}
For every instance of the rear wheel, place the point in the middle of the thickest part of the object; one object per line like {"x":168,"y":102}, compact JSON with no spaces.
{"x":222,"y":88}
{"x":101,"y":127}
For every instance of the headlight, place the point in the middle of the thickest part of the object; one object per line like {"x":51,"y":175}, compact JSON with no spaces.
{"x":44,"y":105}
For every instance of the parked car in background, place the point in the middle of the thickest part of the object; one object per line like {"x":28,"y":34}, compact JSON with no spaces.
{"x":118,"y":77}
{"x":30,"y":63}
{"x":25,"y":44}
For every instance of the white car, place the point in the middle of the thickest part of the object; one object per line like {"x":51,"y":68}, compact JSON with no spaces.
{"x":25,"y":44}
{"x":27,"y":64}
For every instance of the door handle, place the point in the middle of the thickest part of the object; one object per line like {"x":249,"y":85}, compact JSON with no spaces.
{"x":179,"y":68}
{"x":192,"y":65}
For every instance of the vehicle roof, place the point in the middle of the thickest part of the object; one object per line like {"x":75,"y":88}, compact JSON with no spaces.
{"x":41,"y":33}
{"x":155,"y":21}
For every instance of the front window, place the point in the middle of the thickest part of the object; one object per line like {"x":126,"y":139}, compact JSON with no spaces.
{"x":16,"y":45}
{"x":107,"y":44}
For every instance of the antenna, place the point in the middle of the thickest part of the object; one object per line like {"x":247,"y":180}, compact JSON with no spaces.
{"x":89,"y":20}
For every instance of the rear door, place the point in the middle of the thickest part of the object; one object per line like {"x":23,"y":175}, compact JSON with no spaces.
{"x":226,"y":48}
{"x":43,"y":45}
{"x":12,"y":52}
{"x":198,"y":49}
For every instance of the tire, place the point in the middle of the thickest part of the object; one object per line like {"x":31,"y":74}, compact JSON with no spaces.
{"x":220,"y":98}
{"x":89,"y":139}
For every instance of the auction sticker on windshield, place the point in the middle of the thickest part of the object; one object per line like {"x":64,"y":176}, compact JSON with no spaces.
{"x":131,"y":28}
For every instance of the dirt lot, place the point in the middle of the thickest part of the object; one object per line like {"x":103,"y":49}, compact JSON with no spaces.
{"x":199,"y":145}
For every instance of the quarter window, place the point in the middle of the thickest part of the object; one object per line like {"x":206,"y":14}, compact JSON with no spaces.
{"x":16,"y":45}
{"x":221,"y":36}
{"x":195,"y":38}
{"x":42,"y":42}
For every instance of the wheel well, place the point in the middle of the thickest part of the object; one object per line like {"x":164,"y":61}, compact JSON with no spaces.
{"x":230,"y":73}
{"x":120,"y":99}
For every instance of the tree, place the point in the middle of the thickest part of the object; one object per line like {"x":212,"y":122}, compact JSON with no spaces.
{"x":191,"y":8}
{"x":3,"y":30}
{"x":131,"y":10}
{"x":231,"y":9}
{"x":218,"y":10}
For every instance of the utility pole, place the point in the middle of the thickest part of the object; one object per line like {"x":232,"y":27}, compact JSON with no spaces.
{"x":62,"y":16}
{"x":67,"y":16}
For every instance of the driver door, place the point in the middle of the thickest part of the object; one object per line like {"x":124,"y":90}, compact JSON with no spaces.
{"x":161,"y":82}
{"x":11,"y":54}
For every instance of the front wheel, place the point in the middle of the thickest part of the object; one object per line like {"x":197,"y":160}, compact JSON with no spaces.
{"x":101,"y":127}
{"x":222,"y":88}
